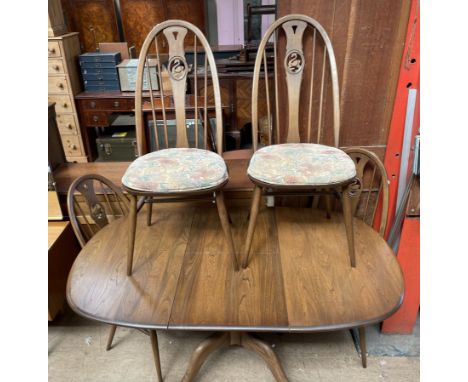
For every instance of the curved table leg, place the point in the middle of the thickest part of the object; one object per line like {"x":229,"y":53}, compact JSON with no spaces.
{"x":267,"y":353}
{"x":202,"y":352}
{"x":219,"y":340}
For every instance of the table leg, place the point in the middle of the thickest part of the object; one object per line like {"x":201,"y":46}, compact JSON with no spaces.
{"x":267,"y":353}
{"x":218,"y":340}
{"x":202,"y":352}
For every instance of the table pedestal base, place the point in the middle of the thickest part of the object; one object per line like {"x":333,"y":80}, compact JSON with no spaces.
{"x":218,"y":340}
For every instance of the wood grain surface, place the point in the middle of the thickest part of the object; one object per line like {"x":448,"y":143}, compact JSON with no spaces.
{"x":368,"y":41}
{"x":298,"y":279}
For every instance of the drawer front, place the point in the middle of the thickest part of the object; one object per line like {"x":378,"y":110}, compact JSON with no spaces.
{"x":97,"y":65}
{"x":113,"y":57}
{"x":58,"y":84}
{"x":98,"y":71}
{"x":101,"y":77}
{"x":97,"y":118}
{"x":56,"y":67}
{"x":72,"y":145}
{"x":54,"y":49}
{"x":96,"y":87}
{"x":107,"y":104}
{"x":63,"y":103}
{"x":74,"y":159}
{"x":66,"y":124}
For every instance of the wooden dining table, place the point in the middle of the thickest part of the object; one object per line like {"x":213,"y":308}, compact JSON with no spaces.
{"x":298,"y":280}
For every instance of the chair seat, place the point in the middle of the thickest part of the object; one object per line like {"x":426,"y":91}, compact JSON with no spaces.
{"x":176,"y":170}
{"x":301,"y":164}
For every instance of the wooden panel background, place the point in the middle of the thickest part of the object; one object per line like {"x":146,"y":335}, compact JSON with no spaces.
{"x":82,"y":15}
{"x":368,"y":40}
{"x":140,"y":16}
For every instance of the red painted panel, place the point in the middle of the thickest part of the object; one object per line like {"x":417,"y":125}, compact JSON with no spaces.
{"x":409,"y":79}
{"x":408,"y":256}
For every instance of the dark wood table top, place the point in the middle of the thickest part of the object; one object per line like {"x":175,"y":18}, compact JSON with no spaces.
{"x":299,"y":277}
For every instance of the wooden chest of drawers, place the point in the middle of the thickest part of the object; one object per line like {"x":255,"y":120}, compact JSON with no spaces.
{"x":64,"y":83}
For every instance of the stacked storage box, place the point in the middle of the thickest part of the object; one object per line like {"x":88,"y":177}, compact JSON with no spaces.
{"x":99,"y":71}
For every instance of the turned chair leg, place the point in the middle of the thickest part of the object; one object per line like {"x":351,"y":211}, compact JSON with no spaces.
{"x":110,"y":338}
{"x":348,"y":220}
{"x":252,"y":220}
{"x":132,"y":220}
{"x":150,"y":211}
{"x":362,"y":345}
{"x":155,"y":348}
{"x":224,"y":217}
{"x":328,"y":204}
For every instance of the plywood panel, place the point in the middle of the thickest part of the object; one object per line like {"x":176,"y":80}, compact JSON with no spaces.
{"x":95,"y":20}
{"x":138,"y":18}
{"x":368,"y":39}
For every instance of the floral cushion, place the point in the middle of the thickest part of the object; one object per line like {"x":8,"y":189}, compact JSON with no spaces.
{"x":176,"y":170}
{"x":296,"y":164}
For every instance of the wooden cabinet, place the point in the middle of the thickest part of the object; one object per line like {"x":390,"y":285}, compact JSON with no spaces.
{"x":63,"y":249}
{"x":64,"y":83}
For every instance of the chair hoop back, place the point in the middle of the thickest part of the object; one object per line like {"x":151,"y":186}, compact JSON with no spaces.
{"x":178,"y":71}
{"x":372,"y":186}
{"x":93,"y":201}
{"x":297,"y":30}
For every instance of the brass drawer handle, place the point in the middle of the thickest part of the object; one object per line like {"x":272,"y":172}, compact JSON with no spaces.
{"x":116,"y":104}
{"x":56,"y":68}
{"x":70,"y":126}
{"x":64,"y":105}
{"x":92,"y":104}
{"x":60,"y":86}
{"x":95,"y":118}
{"x":72,"y":146}
{"x":52,"y":51}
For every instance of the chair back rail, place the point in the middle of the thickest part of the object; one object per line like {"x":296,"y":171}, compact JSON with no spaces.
{"x":174,"y":32}
{"x":293,"y":36}
{"x":93,"y":201}
{"x":371,"y":188}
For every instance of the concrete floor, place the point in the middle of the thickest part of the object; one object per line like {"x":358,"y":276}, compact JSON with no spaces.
{"x":77,"y":354}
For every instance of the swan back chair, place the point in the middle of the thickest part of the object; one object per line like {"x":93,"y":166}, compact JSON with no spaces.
{"x":191,"y":167}
{"x":289,"y":163}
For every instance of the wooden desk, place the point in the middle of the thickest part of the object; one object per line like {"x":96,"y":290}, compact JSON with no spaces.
{"x":96,"y":108}
{"x":299,"y":278}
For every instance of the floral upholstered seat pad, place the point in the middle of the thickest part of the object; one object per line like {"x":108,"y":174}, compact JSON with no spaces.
{"x":176,"y":170}
{"x":296,"y":164}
